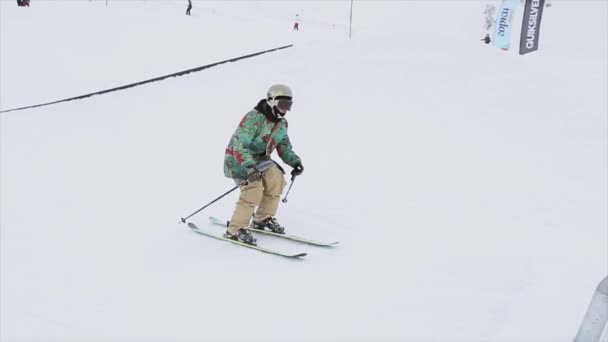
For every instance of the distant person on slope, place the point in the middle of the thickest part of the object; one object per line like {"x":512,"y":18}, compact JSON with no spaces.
{"x":189,"y":7}
{"x":486,"y":39}
{"x":247,"y":161}
{"x":296,"y":25}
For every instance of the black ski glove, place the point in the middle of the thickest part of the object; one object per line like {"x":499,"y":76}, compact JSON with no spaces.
{"x":297,"y":170}
{"x":253,"y":174}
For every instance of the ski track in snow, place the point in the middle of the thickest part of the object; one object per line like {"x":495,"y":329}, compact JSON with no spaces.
{"x":466,"y":185}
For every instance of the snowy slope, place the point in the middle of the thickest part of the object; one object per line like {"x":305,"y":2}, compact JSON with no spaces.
{"x":467,"y":185}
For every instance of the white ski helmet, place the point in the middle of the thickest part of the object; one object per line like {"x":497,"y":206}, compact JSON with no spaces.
{"x":278,"y":90}
{"x":280,"y":99}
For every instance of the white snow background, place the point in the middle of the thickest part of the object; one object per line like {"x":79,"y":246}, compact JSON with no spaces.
{"x":467,"y":186}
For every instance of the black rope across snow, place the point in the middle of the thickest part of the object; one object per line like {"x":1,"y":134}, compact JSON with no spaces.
{"x":181,"y":73}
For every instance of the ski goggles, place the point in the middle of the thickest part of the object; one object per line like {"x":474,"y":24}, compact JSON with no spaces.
{"x":282,"y":104}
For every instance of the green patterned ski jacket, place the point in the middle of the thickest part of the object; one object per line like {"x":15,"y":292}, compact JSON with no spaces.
{"x":256,"y":137}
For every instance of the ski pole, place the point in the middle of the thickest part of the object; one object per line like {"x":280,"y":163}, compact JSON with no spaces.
{"x":293,"y":178}
{"x":210,"y":203}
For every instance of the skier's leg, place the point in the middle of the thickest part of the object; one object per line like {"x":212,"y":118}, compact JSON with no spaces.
{"x":274,"y":183}
{"x":251,"y":195}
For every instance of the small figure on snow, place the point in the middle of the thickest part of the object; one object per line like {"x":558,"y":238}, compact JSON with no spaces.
{"x":247,"y":161}
{"x":296,"y":25}
{"x":189,"y":7}
{"x":486,"y":39}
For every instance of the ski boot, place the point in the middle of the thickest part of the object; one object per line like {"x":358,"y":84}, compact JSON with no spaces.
{"x":242,"y":235}
{"x":271,"y":224}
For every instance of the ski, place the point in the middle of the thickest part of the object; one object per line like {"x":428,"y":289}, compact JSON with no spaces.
{"x":261,"y":249}
{"x":224,"y":223}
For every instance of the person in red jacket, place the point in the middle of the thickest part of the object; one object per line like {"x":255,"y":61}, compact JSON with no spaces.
{"x":296,"y":25}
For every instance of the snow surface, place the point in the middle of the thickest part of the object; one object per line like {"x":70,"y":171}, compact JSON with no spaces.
{"x":467,"y":185}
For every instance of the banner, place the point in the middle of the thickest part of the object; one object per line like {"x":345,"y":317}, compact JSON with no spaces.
{"x":503,"y":24}
{"x":530,"y":29}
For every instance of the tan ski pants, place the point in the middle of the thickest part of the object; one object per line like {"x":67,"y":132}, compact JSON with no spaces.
{"x":264,"y":194}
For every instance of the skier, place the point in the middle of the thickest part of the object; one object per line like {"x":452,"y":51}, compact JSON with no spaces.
{"x":247,"y":161}
{"x":189,"y":7}
{"x":296,"y":25}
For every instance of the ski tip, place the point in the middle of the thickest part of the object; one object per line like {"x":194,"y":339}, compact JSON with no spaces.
{"x":300,"y":255}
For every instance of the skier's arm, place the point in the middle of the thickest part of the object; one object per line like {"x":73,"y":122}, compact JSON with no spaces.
{"x":244,"y":136}
{"x":286,"y":152}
